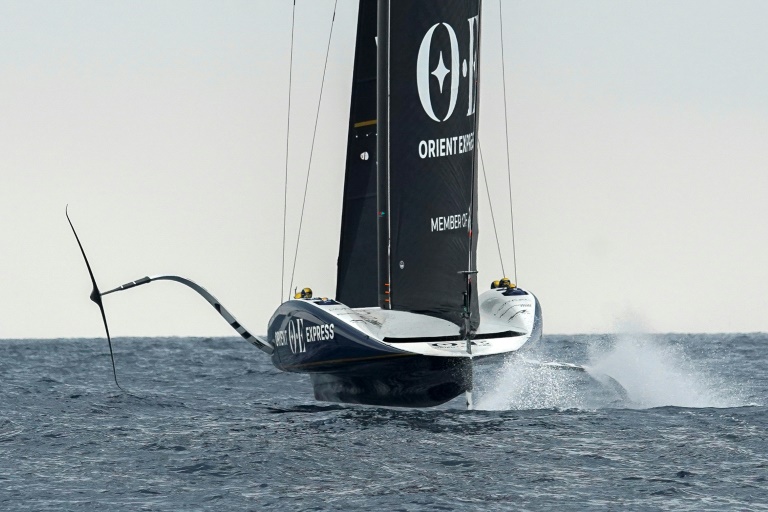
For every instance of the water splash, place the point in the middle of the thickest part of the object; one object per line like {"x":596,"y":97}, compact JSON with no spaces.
{"x":519,"y":384}
{"x":655,"y":372}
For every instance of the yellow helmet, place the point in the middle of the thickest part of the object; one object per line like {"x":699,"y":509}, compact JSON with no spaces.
{"x":305,"y":293}
{"x":504,"y":282}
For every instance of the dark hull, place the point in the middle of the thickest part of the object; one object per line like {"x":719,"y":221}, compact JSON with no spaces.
{"x":413,"y":381}
{"x":345,"y":365}
{"x":324,"y":339}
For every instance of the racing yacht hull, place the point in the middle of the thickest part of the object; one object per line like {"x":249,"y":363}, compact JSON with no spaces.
{"x":396,"y":358}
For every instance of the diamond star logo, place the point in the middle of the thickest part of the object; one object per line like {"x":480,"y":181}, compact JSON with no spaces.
{"x":440,"y":72}
{"x":448,"y":63}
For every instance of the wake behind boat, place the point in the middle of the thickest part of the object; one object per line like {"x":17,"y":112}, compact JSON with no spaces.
{"x":407,"y":319}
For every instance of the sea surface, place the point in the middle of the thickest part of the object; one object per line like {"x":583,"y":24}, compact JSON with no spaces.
{"x":209,"y":424}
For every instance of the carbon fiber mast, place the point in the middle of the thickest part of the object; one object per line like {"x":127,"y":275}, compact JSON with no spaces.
{"x":382,"y":155}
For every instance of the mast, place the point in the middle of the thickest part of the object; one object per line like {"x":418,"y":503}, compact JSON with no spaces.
{"x":471,"y":306}
{"x":382,"y":153}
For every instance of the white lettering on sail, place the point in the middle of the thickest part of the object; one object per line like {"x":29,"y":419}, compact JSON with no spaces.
{"x":458,"y":221}
{"x":448,"y":146}
{"x":423,"y":73}
{"x":473,"y":23}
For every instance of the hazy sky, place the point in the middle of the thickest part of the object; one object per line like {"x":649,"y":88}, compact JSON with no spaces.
{"x":639,"y":147}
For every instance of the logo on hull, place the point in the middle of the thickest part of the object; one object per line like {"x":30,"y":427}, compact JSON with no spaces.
{"x":296,"y":335}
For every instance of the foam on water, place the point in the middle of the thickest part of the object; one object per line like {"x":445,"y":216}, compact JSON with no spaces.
{"x":654,"y":373}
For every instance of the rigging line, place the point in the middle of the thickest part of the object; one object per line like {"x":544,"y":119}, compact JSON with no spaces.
{"x":490,"y":204}
{"x":287,"y":139}
{"x":506,"y":131}
{"x":312,"y":147}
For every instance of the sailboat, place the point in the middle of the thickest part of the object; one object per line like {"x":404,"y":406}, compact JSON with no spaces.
{"x":408,"y":319}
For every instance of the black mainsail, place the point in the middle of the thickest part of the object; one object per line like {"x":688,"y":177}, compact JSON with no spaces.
{"x":427,"y":112}
{"x":356,"y":284}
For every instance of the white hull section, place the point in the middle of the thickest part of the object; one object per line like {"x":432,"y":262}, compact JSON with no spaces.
{"x":507,"y":322}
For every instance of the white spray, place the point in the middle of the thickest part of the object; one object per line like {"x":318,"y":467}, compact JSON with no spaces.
{"x":654,"y":372}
